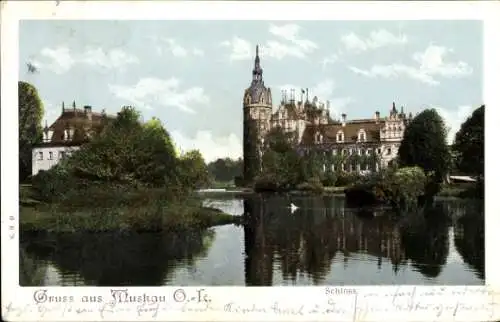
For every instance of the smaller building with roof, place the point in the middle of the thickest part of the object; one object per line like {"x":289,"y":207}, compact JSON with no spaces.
{"x":73,"y":128}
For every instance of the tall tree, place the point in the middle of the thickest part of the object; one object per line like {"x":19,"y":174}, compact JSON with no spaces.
{"x":424,"y":145}
{"x":469,"y":144}
{"x":193,"y":170}
{"x":30,"y":126}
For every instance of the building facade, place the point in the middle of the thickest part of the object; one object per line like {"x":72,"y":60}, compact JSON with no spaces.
{"x":74,"y":127}
{"x":313,"y":129}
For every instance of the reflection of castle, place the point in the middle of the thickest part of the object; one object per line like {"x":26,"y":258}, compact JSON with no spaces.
{"x":308,"y":242}
{"x":310,"y":124}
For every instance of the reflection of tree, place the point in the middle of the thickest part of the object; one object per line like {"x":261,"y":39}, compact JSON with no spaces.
{"x":469,"y":239}
{"x":307,"y":241}
{"x":106,"y":259}
{"x":426,"y":240}
{"x":31,"y":271}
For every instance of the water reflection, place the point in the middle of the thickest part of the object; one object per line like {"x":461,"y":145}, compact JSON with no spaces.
{"x":321,"y":243}
{"x":307,"y":241}
{"x":111,"y":259}
{"x":469,"y":238}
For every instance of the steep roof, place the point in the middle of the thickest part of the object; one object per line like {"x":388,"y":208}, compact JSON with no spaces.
{"x":79,"y":120}
{"x":350,"y":129}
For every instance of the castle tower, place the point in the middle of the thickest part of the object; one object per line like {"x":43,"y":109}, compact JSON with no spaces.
{"x":257,"y":110}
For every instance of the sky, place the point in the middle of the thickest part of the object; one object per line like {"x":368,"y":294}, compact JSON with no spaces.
{"x":192,"y":74}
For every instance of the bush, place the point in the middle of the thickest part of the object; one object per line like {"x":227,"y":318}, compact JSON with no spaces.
{"x":313,"y":184}
{"x":238,"y":181}
{"x":268,"y":182}
{"x":346,"y":179}
{"x":51,"y":185}
{"x":402,"y":188}
{"x":329,"y":180}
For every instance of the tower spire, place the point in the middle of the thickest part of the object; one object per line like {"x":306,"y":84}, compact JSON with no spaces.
{"x":257,"y":70}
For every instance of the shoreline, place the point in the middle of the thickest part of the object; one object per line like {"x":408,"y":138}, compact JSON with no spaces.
{"x":446,"y":193}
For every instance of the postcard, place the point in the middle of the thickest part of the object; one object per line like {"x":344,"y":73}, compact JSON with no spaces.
{"x":269,"y":161}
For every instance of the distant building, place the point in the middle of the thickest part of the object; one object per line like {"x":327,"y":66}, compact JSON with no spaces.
{"x":312,"y":128}
{"x":74,"y":127}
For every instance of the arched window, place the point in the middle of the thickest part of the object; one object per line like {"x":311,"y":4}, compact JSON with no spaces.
{"x":340,"y":136}
{"x":361,"y":135}
{"x":318,"y":138}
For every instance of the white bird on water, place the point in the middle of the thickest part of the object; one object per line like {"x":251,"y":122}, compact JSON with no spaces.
{"x":293,"y":207}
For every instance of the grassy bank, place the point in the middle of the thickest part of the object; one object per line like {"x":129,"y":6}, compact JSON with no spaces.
{"x":117,"y":210}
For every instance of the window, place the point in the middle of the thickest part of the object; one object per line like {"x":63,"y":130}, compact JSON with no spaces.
{"x":62,"y":155}
{"x":51,"y":155}
{"x":361,"y":135}
{"x":389,"y":151}
{"x":40,"y":155}
{"x":334,"y":152}
{"x":340,"y":136}
{"x":379,"y":151}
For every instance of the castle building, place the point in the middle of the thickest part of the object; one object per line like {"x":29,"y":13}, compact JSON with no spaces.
{"x":74,"y":127}
{"x":312,"y":129}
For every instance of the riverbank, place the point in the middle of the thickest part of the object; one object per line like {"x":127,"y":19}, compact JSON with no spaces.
{"x":144,"y":210}
{"x":452,"y":190}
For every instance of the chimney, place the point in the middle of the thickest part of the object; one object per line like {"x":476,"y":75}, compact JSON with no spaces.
{"x":377,"y":116}
{"x":88,"y":111}
{"x":343,"y":119}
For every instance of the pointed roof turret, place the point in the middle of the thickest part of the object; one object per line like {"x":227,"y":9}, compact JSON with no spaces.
{"x":46,"y":128}
{"x":257,"y":91}
{"x":257,"y":70}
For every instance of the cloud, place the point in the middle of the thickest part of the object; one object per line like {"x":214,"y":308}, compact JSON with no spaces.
{"x":454,"y":119}
{"x":430,"y":63}
{"x":114,"y":58}
{"x":324,"y":90}
{"x":288,"y":43}
{"x":171,"y":45}
{"x":332,"y":59}
{"x":210,"y":147}
{"x":150,"y":91}
{"x":241,"y":49}
{"x":61,"y":59}
{"x":377,"y":39}
{"x":58,"y":60}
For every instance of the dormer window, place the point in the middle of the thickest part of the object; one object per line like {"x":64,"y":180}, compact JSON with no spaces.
{"x":340,"y":136}
{"x":362,"y":135}
{"x":319,"y":138}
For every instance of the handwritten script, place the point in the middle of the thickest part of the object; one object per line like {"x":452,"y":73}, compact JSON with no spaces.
{"x":360,"y":304}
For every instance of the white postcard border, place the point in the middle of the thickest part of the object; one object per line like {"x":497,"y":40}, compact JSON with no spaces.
{"x":375,"y":303}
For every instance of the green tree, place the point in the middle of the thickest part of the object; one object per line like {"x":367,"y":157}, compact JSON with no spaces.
{"x":30,"y":126}
{"x":193,"y":170}
{"x":281,"y":164}
{"x":128,"y":151}
{"x":226,"y":169}
{"x":424,"y":145}
{"x":468,"y":147}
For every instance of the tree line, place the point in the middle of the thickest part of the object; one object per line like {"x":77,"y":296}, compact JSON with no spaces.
{"x":143,"y":153}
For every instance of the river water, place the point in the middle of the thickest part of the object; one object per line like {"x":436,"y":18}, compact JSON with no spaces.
{"x":320,"y":243}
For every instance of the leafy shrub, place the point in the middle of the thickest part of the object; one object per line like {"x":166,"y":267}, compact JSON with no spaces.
{"x":346,"y":179}
{"x":52,"y":184}
{"x":270,"y":182}
{"x":313,"y":184}
{"x":329,"y":179}
{"x":400,"y":188}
